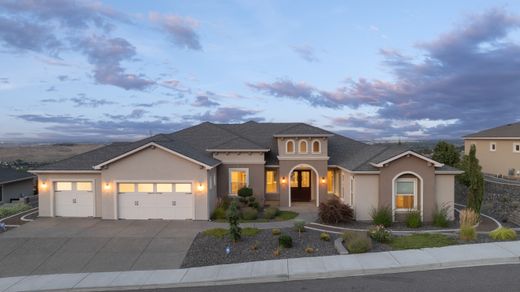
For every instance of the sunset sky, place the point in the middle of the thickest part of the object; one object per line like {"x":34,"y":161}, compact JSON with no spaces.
{"x":120,"y":70}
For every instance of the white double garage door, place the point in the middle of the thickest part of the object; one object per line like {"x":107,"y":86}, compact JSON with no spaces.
{"x":135,"y":200}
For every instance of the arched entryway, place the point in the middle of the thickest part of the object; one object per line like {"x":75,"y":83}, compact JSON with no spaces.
{"x":407,"y":194}
{"x":303,"y":178}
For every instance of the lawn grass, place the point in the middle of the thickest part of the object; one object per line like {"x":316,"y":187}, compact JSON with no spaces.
{"x":223,"y":232}
{"x":13,"y":208}
{"x":282,"y":216}
{"x":421,"y":240}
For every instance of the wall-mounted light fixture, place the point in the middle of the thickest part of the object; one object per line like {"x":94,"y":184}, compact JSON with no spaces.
{"x":323,"y":180}
{"x":200,"y":187}
{"x":284,"y":180}
{"x":43,"y":185}
{"x":107,"y":186}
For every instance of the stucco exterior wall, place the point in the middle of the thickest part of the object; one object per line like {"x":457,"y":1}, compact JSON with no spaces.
{"x":155,"y":165}
{"x":212,"y":189}
{"x":409,"y":165}
{"x":495,"y":162}
{"x":256,"y":179}
{"x":240,"y":157}
{"x":15,"y":189}
{"x":345,"y":177}
{"x":45,"y":194}
{"x":284,"y":171}
{"x":366,"y":195}
{"x":283,"y":153}
{"x":445,"y":193}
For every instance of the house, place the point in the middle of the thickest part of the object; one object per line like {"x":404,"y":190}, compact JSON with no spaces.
{"x":498,"y":149}
{"x":181,"y":175}
{"x":15,"y":184}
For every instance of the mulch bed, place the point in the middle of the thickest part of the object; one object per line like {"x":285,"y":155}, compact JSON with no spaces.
{"x":208,"y":250}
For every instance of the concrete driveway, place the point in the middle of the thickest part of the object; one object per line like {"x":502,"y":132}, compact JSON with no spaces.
{"x":69,"y":245}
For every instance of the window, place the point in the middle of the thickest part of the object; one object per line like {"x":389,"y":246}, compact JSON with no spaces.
{"x":330,"y":181}
{"x":516,"y":147}
{"x":164,"y":188}
{"x":238,"y":178}
{"x":289,"y":146}
{"x":316,"y":147}
{"x":145,"y":188}
{"x":271,"y":181}
{"x":126,"y":188}
{"x":183,"y":188}
{"x":303,"y":146}
{"x":84,"y":186}
{"x":492,"y":146}
{"x":294,"y":179}
{"x":406,"y":194}
{"x":63,"y":186}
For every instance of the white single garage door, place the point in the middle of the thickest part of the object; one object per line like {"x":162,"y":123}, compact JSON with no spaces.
{"x":155,"y":200}
{"x":74,"y":198}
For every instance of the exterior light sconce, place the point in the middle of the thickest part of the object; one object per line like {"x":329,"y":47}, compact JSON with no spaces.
{"x":43,"y":185}
{"x":284,"y":180}
{"x":323,"y":180}
{"x":200,"y":187}
{"x":107,"y":186}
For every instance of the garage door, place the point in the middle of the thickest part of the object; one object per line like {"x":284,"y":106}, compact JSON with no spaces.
{"x":155,"y":200}
{"x":74,"y":198}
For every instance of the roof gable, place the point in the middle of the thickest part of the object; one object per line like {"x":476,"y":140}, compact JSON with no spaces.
{"x":380,"y":163}
{"x":506,"y":131}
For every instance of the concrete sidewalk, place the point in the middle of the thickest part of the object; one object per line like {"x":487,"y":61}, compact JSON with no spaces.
{"x":278,"y":270}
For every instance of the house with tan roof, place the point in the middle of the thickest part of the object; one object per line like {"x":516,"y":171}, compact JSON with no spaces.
{"x":181,"y":175}
{"x":498,"y":149}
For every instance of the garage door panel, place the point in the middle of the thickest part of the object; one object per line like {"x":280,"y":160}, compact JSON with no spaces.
{"x":74,"y":204}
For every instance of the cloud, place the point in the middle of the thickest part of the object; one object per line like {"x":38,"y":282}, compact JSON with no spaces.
{"x":50,"y":89}
{"x":134,"y":115}
{"x":150,"y":104}
{"x":4,"y":80}
{"x":82,"y":101}
{"x":204,"y":101}
{"x":106,"y":54}
{"x":468,"y":75}
{"x":53,"y":100}
{"x":306,"y":52}
{"x":181,"y":30}
{"x":19,"y":34}
{"x":226,"y":115}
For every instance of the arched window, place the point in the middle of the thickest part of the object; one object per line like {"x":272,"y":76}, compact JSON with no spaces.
{"x":289,"y":146}
{"x":316,"y":146}
{"x":303,"y":146}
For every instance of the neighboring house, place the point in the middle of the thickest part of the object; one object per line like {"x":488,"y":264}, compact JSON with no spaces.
{"x":181,"y":175}
{"x":15,"y":184}
{"x":498,"y":149}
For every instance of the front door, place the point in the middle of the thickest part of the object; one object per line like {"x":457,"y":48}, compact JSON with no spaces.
{"x":301,"y":186}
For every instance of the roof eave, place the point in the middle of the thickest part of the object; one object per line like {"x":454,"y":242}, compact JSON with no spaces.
{"x":301,"y":135}
{"x":238,"y":150}
{"x":409,"y":152}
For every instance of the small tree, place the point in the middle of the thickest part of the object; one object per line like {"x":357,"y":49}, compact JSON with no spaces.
{"x":473,"y":179}
{"x":235,"y":231}
{"x":446,"y":153}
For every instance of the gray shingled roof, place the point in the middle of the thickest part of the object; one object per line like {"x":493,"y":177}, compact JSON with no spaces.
{"x":11,"y":174}
{"x":509,"y":130}
{"x":194,"y":142}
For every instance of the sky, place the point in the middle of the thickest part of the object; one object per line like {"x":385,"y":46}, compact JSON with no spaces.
{"x":100,"y":71}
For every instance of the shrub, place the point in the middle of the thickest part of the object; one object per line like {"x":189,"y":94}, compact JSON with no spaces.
{"x":216,"y":232}
{"x":468,"y":217}
{"x":467,"y":232}
{"x":440,"y":216}
{"x":276,"y":231}
{"x":233,"y":217}
{"x":271,"y":212}
{"x":309,"y":249}
{"x":348,"y":235}
{"x":359,"y":244}
{"x":503,"y":233}
{"x":325,"y":236}
{"x":421,"y":240}
{"x":13,"y":208}
{"x":249,"y":213}
{"x":380,"y":233}
{"x":299,"y":225}
{"x":219,"y":213}
{"x":223,"y":202}
{"x":245,"y":192}
{"x":334,"y":211}
{"x":285,"y":241}
{"x":413,"y":219}
{"x":382,"y":216}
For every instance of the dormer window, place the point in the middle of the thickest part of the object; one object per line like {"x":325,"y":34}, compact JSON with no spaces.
{"x":303,"y":146}
{"x":289,"y":146}
{"x":316,"y":146}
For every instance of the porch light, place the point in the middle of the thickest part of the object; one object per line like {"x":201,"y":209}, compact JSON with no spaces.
{"x":107,"y":186}
{"x":323,"y":180}
{"x":43,"y":185}
{"x":283,"y":179}
{"x":200,"y":187}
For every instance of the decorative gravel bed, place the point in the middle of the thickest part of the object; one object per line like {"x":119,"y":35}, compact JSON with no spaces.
{"x":209,"y":250}
{"x":398,"y":226}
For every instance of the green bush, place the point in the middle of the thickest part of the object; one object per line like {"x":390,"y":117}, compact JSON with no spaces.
{"x":382,"y":216}
{"x":249,"y":213}
{"x":335,"y":211}
{"x":468,"y":233}
{"x":235,"y":232}
{"x":276,"y":231}
{"x":245,"y":192}
{"x":359,"y":244}
{"x":13,"y":208}
{"x":285,"y":241}
{"x":325,"y":236}
{"x":421,"y":240}
{"x":271,"y":212}
{"x":503,"y":233}
{"x":299,"y":225}
{"x":219,"y":213}
{"x":348,"y":235}
{"x":380,"y":233}
{"x":440,"y":216}
{"x":413,"y":219}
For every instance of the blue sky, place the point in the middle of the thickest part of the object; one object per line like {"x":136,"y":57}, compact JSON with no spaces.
{"x":120,"y":70}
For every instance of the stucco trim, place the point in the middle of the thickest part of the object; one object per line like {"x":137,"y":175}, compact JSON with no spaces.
{"x":356,"y":171}
{"x":451,"y":172}
{"x":301,"y":135}
{"x":422,"y":192}
{"x":237,"y":150}
{"x":146,"y":146}
{"x":302,"y":157}
{"x":382,"y":163}
{"x":317,"y":174}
